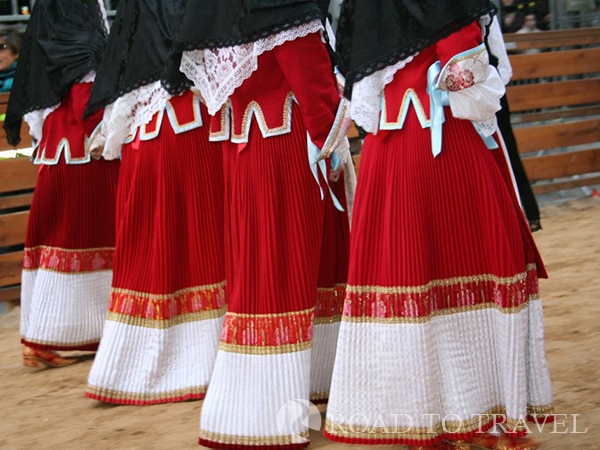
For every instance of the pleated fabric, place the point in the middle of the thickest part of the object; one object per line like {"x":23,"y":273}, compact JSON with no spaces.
{"x":274,"y":238}
{"x":442,"y":329}
{"x":333,"y":274}
{"x":167,"y":299}
{"x":69,"y":245}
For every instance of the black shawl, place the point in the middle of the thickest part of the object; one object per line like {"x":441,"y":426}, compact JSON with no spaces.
{"x":375,"y":34}
{"x":64,"y":41}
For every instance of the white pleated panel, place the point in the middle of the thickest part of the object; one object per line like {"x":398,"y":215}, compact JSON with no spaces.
{"x":460,"y":364}
{"x":144,"y":365}
{"x":247,"y":393}
{"x":322,"y":359}
{"x":64,"y":309}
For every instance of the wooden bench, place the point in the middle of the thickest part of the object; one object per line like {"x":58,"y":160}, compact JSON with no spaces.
{"x":17,"y":180}
{"x":556,"y":120}
{"x":25,"y":137}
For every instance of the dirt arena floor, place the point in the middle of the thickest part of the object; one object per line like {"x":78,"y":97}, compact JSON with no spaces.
{"x":46,"y":409}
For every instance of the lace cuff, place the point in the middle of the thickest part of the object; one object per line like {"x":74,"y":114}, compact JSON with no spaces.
{"x":337,"y":140}
{"x":128,"y":113}
{"x":35,"y":120}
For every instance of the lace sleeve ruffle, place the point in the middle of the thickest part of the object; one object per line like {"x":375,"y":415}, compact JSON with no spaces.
{"x":217,"y":73}
{"x":366,"y":96}
{"x":123,"y":117}
{"x":35,"y":120}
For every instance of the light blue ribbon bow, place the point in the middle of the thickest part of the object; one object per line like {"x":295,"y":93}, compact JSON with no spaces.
{"x":437,"y":100}
{"x":317,"y":165}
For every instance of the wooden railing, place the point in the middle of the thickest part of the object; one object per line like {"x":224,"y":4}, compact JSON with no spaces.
{"x":555,"y":102}
{"x":17,"y":180}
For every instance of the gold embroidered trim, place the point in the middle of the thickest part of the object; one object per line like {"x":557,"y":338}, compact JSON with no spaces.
{"x":166,"y":310}
{"x":265,"y":350}
{"x":339,"y":129}
{"x":438,"y":283}
{"x":69,"y":274}
{"x":409,"y":432}
{"x":163,"y":324}
{"x":319,"y":395}
{"x":540,"y":410}
{"x":204,"y":287}
{"x":328,"y":320}
{"x":230,"y":439}
{"x":68,"y":261}
{"x":225,"y":121}
{"x":439,"y":313}
{"x":268,"y":330}
{"x":146,"y":135}
{"x":254,"y":109}
{"x":330,"y":303}
{"x":196,"y":122}
{"x":66,"y":250}
{"x":62,"y":344}
{"x":62,"y":146}
{"x":269,"y":316}
{"x":410,"y":96}
{"x":145,"y":397}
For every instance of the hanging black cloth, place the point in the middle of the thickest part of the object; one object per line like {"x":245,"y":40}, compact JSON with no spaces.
{"x":210,"y":24}
{"x":374,"y":34}
{"x":138,"y":48}
{"x":530,"y":204}
{"x":64,"y":41}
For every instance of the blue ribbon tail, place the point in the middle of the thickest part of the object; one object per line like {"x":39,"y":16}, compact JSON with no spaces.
{"x":489,"y":141}
{"x":313,"y":157}
{"x":437,"y":100}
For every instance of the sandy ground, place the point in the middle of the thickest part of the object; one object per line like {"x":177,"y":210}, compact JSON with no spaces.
{"x":46,"y":409}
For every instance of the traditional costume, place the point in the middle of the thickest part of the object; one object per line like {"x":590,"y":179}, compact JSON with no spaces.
{"x":167,"y":299}
{"x":442,"y":332}
{"x":265,"y":73}
{"x":67,"y":265}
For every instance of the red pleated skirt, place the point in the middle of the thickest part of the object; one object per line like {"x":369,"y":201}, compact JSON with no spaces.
{"x":442,"y":320}
{"x":285,"y":265}
{"x":167,"y":299}
{"x":69,"y":255}
{"x":420,"y":218}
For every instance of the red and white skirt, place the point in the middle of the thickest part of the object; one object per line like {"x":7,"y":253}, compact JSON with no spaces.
{"x":442,"y":331}
{"x":275,"y":239}
{"x":167,"y":300}
{"x":331,"y":287}
{"x":67,"y":267}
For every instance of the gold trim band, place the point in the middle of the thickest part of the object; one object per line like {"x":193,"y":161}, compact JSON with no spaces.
{"x":144,"y":397}
{"x":230,"y":439}
{"x":265,"y":350}
{"x":163,"y":324}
